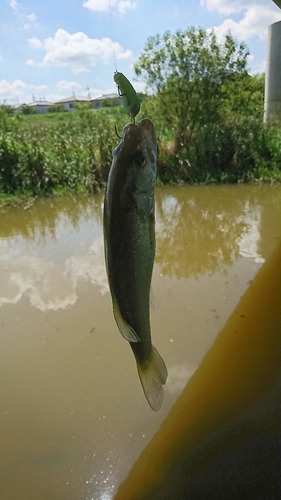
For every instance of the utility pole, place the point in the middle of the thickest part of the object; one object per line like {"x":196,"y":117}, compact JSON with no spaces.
{"x":272,"y":94}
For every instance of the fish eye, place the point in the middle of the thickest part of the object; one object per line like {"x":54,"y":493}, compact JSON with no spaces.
{"x":139,"y":159}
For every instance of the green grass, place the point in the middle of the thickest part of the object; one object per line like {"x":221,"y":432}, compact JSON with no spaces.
{"x":47,"y":117}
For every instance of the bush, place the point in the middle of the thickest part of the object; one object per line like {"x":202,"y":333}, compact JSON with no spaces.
{"x":42,"y":156}
{"x":55,"y":108}
{"x":29,"y":110}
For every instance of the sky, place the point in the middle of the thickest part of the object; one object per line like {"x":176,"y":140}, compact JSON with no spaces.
{"x":50,"y":49}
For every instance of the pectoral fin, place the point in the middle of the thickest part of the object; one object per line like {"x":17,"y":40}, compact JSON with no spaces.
{"x":125,"y":329}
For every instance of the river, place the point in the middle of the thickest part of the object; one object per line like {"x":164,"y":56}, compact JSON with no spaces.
{"x":73,"y":416}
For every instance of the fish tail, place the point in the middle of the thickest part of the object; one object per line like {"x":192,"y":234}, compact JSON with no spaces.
{"x":153,"y":375}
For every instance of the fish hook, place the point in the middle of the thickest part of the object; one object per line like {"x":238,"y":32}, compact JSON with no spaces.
{"x":116,"y":132}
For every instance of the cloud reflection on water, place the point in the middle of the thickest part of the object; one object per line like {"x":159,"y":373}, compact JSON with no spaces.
{"x":50,"y":286}
{"x":46,"y":252}
{"x":178,"y":377}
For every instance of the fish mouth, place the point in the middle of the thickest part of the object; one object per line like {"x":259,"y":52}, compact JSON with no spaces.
{"x":139,"y":136}
{"x":134,"y":133}
{"x":148,"y":131}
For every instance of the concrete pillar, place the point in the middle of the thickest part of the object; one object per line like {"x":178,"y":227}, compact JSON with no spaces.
{"x":272,"y":97}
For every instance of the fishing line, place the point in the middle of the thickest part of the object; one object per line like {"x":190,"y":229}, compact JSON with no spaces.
{"x":112,"y":36}
{"x":126,"y":90}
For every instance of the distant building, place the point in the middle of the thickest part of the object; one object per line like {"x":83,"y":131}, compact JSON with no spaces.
{"x":41,"y":106}
{"x":97,"y":101}
{"x":69,"y":103}
{"x":18,"y":106}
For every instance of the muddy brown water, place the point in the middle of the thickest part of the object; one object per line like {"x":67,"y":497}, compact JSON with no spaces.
{"x":73,"y":417}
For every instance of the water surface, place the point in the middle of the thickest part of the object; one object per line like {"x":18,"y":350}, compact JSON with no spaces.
{"x":73,"y":417}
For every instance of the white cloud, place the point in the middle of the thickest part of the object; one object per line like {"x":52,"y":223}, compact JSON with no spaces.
{"x":98,"y":5}
{"x":26,"y":20}
{"x":254,"y":17}
{"x":79,"y":52}
{"x":34,"y":43}
{"x":105,"y":5}
{"x":18,"y":90}
{"x":257,"y":67}
{"x":16,"y":85}
{"x":255,"y":22}
{"x":52,"y":97}
{"x":63,"y":85}
{"x":31,"y":17}
{"x":14,"y":5}
{"x":30,"y":20}
{"x":124,"y":5}
{"x":224,"y":7}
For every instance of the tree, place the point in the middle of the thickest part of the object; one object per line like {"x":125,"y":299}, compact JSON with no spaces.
{"x":6,"y":109}
{"x":29,"y":110}
{"x":190,"y":74}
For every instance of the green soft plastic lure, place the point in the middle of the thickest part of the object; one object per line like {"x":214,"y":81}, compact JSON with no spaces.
{"x":129,"y":96}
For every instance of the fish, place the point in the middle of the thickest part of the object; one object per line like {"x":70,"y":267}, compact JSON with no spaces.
{"x":129,"y":96}
{"x":129,"y":243}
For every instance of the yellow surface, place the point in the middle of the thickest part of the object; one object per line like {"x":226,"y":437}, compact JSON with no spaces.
{"x":220,"y":440}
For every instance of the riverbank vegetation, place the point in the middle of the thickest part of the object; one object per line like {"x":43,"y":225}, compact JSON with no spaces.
{"x":72,"y":152}
{"x":206,"y":107}
{"x":205,"y":100}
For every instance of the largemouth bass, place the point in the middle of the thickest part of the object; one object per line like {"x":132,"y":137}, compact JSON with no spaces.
{"x":129,"y":241}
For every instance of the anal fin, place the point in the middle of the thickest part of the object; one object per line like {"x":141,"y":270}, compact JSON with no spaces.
{"x":125,"y":329}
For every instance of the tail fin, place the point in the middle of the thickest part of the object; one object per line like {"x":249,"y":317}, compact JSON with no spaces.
{"x":153,"y":375}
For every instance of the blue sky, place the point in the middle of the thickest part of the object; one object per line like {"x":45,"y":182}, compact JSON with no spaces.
{"x":52,"y":48}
